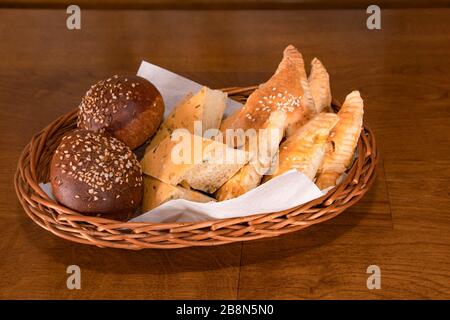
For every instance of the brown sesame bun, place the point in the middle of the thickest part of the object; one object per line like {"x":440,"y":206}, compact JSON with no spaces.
{"x":128,"y":107}
{"x":96,"y":174}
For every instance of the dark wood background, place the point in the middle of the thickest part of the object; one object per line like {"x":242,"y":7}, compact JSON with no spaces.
{"x":225,"y":4}
{"x":402,"y":224}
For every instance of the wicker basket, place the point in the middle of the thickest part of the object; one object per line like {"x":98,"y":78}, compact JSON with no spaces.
{"x":33,"y":168}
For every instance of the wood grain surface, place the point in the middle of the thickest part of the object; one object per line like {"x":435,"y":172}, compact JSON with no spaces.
{"x":402,"y":224}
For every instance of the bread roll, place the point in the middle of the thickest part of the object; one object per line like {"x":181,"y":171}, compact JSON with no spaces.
{"x":342,"y":141}
{"x":305,"y":149}
{"x":128,"y":107}
{"x":201,"y":163}
{"x":96,"y":174}
{"x":206,"y":107}
{"x":319,"y":84}
{"x":157,"y":192}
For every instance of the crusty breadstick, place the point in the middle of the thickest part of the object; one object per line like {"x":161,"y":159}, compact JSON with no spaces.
{"x":342,"y":142}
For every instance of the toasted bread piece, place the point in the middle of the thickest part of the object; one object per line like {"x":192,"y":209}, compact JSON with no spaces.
{"x":319,"y":84}
{"x":157,"y":192}
{"x":342,"y":141}
{"x":305,"y":149}
{"x":184,"y":158}
{"x":245,"y":180}
{"x":286,"y":90}
{"x":206,"y":106}
{"x":249,"y":177}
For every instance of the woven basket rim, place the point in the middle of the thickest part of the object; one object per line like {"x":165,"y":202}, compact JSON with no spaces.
{"x":74,"y":226}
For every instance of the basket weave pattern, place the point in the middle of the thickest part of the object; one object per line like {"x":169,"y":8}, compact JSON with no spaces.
{"x":33,"y":168}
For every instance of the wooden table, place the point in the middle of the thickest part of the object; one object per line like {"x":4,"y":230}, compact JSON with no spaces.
{"x":402,"y":224}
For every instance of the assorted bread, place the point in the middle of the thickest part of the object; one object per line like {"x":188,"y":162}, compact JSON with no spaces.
{"x":190,"y":155}
{"x":193,"y":161}
{"x":94,"y":170}
{"x":282,"y":103}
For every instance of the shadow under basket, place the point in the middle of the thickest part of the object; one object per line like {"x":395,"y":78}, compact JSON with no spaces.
{"x":33,"y":168}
